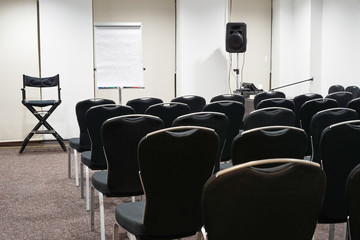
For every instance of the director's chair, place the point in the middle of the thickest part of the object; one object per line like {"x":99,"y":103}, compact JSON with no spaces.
{"x":41,"y":114}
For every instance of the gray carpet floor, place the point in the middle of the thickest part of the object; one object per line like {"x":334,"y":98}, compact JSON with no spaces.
{"x":39,"y":201}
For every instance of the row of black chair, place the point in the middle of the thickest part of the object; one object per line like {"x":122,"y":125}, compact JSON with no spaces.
{"x":355,"y":90}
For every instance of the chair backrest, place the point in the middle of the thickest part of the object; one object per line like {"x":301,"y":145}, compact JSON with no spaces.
{"x":247,"y":202}
{"x":35,"y":82}
{"x":355,"y":90}
{"x":215,"y":120}
{"x":269,"y":142}
{"x":323,"y":119}
{"x":299,"y":100}
{"x":353,"y":199}
{"x":195,"y":103}
{"x":342,"y":97}
{"x":168,"y":112}
{"x":265,"y":95}
{"x":340,"y":153}
{"x":95,"y":117}
{"x":354,"y":104}
{"x":308,"y":109}
{"x":81,"y":108}
{"x":276,"y":102}
{"x":335,"y":88}
{"x":235,"y":113}
{"x":231,"y":97}
{"x":271,"y":116}
{"x":120,"y":137}
{"x":141,"y":104}
{"x":174,"y":165}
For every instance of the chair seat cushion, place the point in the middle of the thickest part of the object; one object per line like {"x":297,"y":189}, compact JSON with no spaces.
{"x":130,"y":217}
{"x":40,"y":103}
{"x":86,"y":160}
{"x":74,"y":143}
{"x":99,"y":181}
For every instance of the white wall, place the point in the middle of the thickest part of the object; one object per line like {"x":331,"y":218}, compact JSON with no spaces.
{"x":319,"y":39}
{"x":257,"y":16}
{"x":201,"y":65}
{"x":18,"y":56}
{"x":66,"y":49}
{"x":340,"y":45}
{"x":291,"y":45}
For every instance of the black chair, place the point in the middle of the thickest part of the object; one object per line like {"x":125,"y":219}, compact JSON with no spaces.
{"x":235,"y":113}
{"x":276,"y":102}
{"x":266,"y":95}
{"x":120,"y":137}
{"x":269,"y":142}
{"x":141,"y":104}
{"x":299,"y":100}
{"x":340,"y":153}
{"x":335,"y":88}
{"x":215,"y":120}
{"x":354,"y":104}
{"x":308,"y":110}
{"x":342,"y":98}
{"x":228,"y":97}
{"x":248,"y":202}
{"x":271,"y":116}
{"x":323,"y":119}
{"x":172,"y":208}
{"x":195,"y":103}
{"x":95,"y":158}
{"x":352,"y":200}
{"x":355,"y":90}
{"x":168,"y":112}
{"x":40,"y":108}
{"x":82,"y":143}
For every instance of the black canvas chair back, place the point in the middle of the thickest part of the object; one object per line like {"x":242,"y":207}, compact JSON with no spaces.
{"x":215,"y":120}
{"x":308,"y":110}
{"x":269,"y":142}
{"x":95,"y":117}
{"x":168,"y":112}
{"x":81,"y":108}
{"x":227,"y":97}
{"x":235,"y":113}
{"x":340,"y":154}
{"x":141,"y":104}
{"x":265,"y":95}
{"x":323,"y":119}
{"x":354,"y":104}
{"x":355,"y":90}
{"x":353,"y":199}
{"x":173,"y":190}
{"x":342,"y":98}
{"x":276,"y":102}
{"x":271,"y":116}
{"x":335,"y":88}
{"x":41,"y":108}
{"x":195,"y":103}
{"x":299,"y":100}
{"x":248,"y":202}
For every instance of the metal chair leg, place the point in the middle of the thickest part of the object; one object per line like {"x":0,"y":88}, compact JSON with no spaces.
{"x":69,"y":163}
{"x":87,"y":188}
{"x":331,"y":231}
{"x":82,"y":180}
{"x":102,"y":216}
{"x":76,"y":169}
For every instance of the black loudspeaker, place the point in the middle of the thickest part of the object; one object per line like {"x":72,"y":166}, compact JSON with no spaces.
{"x":236,"y":37}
